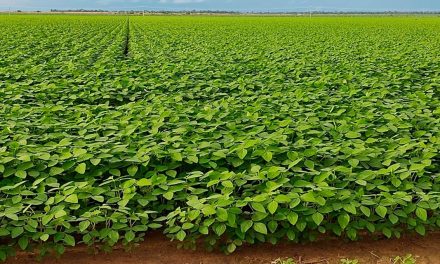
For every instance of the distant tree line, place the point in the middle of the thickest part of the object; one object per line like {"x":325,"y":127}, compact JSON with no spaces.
{"x":79,"y":10}
{"x":238,"y":12}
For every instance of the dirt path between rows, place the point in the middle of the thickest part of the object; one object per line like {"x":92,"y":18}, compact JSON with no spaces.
{"x":157,"y":250}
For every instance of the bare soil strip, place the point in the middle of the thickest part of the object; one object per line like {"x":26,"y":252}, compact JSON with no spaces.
{"x":157,"y":250}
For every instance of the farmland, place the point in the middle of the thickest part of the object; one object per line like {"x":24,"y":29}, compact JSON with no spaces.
{"x":234,"y":130}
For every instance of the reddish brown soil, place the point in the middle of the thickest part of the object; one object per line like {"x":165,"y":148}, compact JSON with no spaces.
{"x":157,"y":249}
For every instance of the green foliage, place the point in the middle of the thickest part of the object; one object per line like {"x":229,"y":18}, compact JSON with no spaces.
{"x":284,"y":261}
{"x":349,"y":261}
{"x":408,"y":259}
{"x":232,"y":129}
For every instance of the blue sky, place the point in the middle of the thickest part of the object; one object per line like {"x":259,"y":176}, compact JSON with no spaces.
{"x":230,"y":5}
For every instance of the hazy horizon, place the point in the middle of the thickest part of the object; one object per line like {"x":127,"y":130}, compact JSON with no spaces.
{"x":228,"y":5}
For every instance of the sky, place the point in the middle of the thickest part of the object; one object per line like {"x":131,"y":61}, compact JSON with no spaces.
{"x":227,"y":5}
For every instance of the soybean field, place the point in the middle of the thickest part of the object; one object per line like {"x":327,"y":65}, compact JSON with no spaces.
{"x":228,"y":129}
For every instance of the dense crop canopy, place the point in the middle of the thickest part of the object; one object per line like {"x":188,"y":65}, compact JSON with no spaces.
{"x":251,"y":129}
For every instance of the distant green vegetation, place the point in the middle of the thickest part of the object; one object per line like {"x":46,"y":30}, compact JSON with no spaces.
{"x":244,"y":128}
